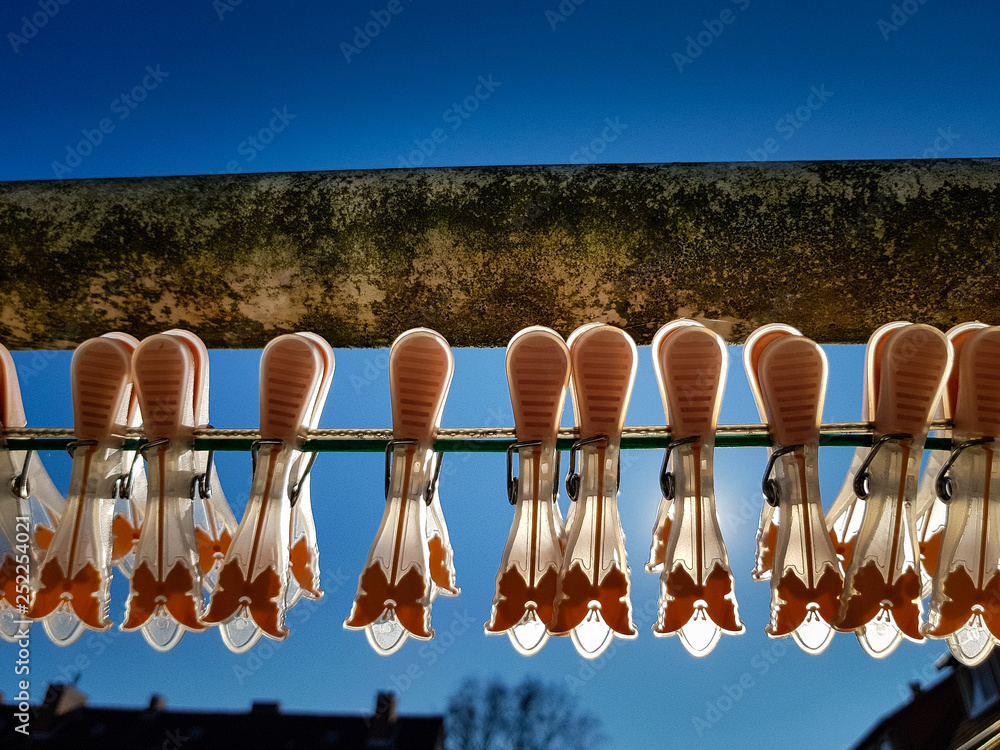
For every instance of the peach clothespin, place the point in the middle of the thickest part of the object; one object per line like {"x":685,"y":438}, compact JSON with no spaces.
{"x":396,"y":587}
{"x":30,"y":508}
{"x":882,"y":587}
{"x":75,"y":576}
{"x":787,"y":374}
{"x":965,"y":598}
{"x":249,"y":599}
{"x":697,"y":602}
{"x":538,"y":373}
{"x":165,"y":591}
{"x":592,"y":597}
{"x":931,"y":511}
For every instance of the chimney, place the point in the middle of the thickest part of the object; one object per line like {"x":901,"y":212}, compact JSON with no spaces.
{"x":265,"y":708}
{"x":157,"y":703}
{"x":915,"y":689}
{"x":60,"y":698}
{"x":385,"y":708}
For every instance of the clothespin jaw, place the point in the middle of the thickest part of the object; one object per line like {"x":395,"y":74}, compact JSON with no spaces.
{"x":965,"y":593}
{"x":593,"y":595}
{"x":75,"y":576}
{"x":396,"y":587}
{"x":789,"y":372}
{"x":697,"y":602}
{"x":882,"y":588}
{"x":538,"y":373}
{"x":249,"y":599}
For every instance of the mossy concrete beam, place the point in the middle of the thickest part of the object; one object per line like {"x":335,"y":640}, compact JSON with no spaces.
{"x":833,"y":248}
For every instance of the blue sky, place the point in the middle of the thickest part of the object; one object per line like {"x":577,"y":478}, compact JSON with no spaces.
{"x":126,"y":89}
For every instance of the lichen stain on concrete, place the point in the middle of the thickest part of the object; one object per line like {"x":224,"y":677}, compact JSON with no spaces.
{"x":834,"y":248}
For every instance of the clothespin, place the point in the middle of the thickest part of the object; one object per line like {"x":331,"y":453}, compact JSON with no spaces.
{"x":932,"y":511}
{"x":165,"y":590}
{"x":249,"y":598}
{"x":538,"y":373}
{"x":130,"y":491}
{"x":304,"y":578}
{"x":787,"y":374}
{"x":882,"y":587}
{"x":214,"y":522}
{"x":697,"y":602}
{"x":965,"y":598}
{"x":75,"y":576}
{"x":30,"y":508}
{"x":592,"y":596}
{"x":396,"y":587}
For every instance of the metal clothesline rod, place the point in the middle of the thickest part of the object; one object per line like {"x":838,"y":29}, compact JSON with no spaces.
{"x":467,"y":439}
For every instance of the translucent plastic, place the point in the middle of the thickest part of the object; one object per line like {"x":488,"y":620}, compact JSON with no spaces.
{"x":592,"y":597}
{"x":249,"y":599}
{"x":845,"y":514}
{"x":538,"y":371}
{"x":931,"y":510}
{"x":965,"y":598}
{"x":788,"y":374}
{"x":165,"y":592}
{"x":214,"y":521}
{"x":75,"y":576}
{"x":395,"y":588}
{"x":25,"y":522}
{"x":882,"y":588}
{"x":697,"y":602}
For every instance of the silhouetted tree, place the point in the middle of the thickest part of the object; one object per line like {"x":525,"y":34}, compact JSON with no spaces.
{"x":530,"y":716}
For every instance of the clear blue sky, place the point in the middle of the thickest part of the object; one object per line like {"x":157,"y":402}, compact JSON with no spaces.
{"x":607,"y":83}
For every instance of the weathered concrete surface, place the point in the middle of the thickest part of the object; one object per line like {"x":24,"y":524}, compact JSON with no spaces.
{"x":834,"y":248}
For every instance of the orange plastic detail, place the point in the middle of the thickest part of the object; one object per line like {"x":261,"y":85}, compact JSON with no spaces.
{"x":260,"y":597}
{"x":406,"y":598}
{"x":301,"y":564}
{"x":801,"y":602}
{"x":516,"y":598}
{"x":43,"y":536}
{"x":441,"y":574}
{"x":874,"y":595}
{"x":845,"y":548}
{"x":580,"y":595}
{"x":712,"y":599}
{"x":81,"y":592}
{"x":964,"y":600}
{"x":210,"y":550}
{"x":124,"y":537}
{"x":173,"y":594}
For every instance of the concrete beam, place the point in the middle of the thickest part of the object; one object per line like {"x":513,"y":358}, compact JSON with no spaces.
{"x":834,"y":248}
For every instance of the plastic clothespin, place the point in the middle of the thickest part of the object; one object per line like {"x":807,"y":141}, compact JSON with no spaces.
{"x":130,"y":491}
{"x":965,"y":598}
{"x":165,"y":591}
{"x":214,"y":521}
{"x":30,"y":508}
{"x":304,"y":578}
{"x":931,"y":511}
{"x":882,"y":587}
{"x":538,"y":373}
{"x":395,"y":588}
{"x":787,"y":374}
{"x":249,"y":598}
{"x":592,"y":597}
{"x":697,"y":602}
{"x":75,"y":576}
{"x":845,"y":513}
